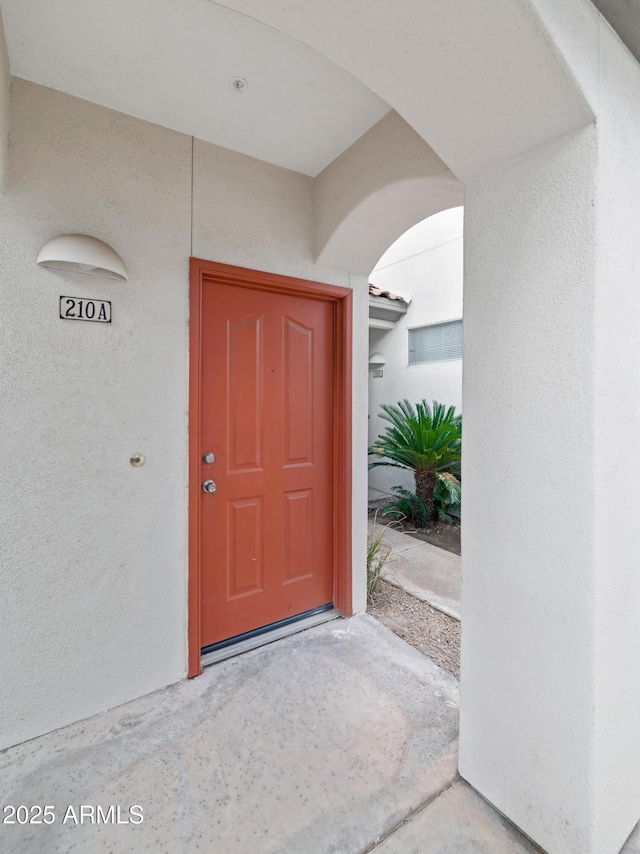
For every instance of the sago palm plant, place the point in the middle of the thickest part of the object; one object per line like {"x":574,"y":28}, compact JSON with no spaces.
{"x":426,"y":440}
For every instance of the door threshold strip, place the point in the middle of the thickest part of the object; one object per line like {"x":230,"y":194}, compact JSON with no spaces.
{"x":269,"y":636}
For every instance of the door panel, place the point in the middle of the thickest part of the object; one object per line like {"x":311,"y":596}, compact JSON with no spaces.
{"x":245,"y":411}
{"x":298,"y":393}
{"x":246,"y":530}
{"x":298,"y":535}
{"x":266,"y":393}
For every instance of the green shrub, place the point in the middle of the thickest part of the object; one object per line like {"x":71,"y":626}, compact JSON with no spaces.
{"x":427,"y":441}
{"x":446,"y":496}
{"x":411,"y":508}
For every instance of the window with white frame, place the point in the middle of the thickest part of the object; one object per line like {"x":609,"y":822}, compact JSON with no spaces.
{"x":439,"y":342}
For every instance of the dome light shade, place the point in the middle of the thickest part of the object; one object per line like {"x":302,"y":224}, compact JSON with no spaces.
{"x":377,"y":359}
{"x":79,"y":253}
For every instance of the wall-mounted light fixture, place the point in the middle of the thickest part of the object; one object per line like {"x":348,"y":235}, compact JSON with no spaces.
{"x":79,"y":253}
{"x":377,"y":360}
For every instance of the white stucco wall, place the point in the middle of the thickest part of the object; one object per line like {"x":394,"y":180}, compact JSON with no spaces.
{"x":93,"y":551}
{"x":383,"y":184}
{"x":528,"y":360}
{"x":559,"y":351}
{"x":482,"y":82}
{"x":426,"y":264}
{"x":617,"y":460}
{"x":5,"y":81}
{"x":252,"y":214}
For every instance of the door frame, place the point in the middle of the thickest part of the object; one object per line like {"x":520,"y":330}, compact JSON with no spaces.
{"x":204,"y":272}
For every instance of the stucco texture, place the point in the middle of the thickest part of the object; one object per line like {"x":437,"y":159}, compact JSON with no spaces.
{"x":617,"y":460}
{"x":559,"y":355}
{"x":93,"y":550}
{"x":5,"y":83}
{"x":383,"y":184}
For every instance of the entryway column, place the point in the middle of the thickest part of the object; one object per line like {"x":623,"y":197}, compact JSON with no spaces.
{"x":550,"y":687}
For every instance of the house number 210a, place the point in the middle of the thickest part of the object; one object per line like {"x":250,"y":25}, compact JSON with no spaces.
{"x":79,"y":308}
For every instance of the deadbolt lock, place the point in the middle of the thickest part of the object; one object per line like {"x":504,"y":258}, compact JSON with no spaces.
{"x":208,"y":458}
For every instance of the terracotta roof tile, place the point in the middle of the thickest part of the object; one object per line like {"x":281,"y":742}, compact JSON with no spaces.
{"x":378,"y":292}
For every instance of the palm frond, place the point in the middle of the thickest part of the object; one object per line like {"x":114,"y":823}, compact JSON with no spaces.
{"x":420,"y":438}
{"x":450,"y":487}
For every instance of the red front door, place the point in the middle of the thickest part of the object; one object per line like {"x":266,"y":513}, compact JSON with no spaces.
{"x":266,"y":392}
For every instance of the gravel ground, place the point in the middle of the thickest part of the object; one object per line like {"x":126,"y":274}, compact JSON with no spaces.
{"x":432,"y":632}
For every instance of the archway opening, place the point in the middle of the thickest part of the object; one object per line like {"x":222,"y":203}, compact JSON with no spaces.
{"x":415,"y":356}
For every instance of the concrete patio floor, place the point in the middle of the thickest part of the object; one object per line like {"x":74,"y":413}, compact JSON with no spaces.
{"x":338,"y":739}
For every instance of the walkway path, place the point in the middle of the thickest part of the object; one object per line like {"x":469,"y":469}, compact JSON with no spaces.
{"x":425,"y":571}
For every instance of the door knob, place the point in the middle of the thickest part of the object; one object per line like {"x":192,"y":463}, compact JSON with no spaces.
{"x":209,"y":486}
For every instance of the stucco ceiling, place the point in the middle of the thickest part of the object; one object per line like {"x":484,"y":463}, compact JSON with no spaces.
{"x":624,"y":17}
{"x":170,"y":62}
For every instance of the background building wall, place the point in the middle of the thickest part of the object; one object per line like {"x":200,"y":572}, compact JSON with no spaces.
{"x":426,"y":264}
{"x":93,"y":551}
